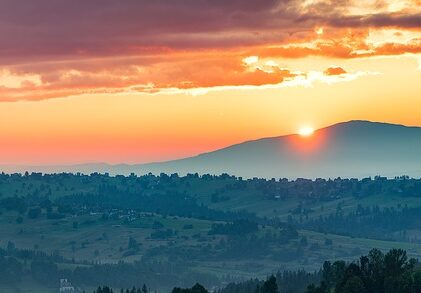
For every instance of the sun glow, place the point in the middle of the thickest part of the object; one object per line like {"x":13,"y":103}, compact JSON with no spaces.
{"x":306,"y":131}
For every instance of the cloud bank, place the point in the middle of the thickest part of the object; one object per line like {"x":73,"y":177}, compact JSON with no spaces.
{"x":59,"y":48}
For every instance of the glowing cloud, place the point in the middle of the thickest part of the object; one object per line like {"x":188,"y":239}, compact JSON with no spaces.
{"x":204,"y":44}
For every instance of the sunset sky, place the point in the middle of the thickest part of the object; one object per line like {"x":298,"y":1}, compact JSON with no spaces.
{"x":135,"y":81}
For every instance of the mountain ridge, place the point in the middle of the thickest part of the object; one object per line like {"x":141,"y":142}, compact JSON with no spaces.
{"x":356,"y":148}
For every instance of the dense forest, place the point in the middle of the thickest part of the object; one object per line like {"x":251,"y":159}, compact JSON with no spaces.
{"x":38,"y":184}
{"x":376,"y":272}
{"x":371,"y":222}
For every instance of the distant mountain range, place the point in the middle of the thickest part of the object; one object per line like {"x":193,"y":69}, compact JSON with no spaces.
{"x":349,"y":149}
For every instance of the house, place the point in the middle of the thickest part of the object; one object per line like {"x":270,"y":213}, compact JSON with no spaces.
{"x":66,"y":286}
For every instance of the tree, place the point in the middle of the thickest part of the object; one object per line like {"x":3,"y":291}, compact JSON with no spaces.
{"x":197,"y":288}
{"x":145,"y":289}
{"x":314,"y":289}
{"x":395,"y":266}
{"x":34,"y":213}
{"x":133,"y":245}
{"x":269,"y":286}
{"x":353,"y":285}
{"x":105,"y":289}
{"x":304,"y":241}
{"x":19,"y":220}
{"x":375,"y":273}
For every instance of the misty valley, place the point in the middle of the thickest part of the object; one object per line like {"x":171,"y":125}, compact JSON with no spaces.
{"x":210,"y":146}
{"x":223,"y":232}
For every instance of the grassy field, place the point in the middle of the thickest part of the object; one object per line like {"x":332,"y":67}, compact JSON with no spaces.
{"x":109,"y":238}
{"x":90,"y":238}
{"x":107,"y":241}
{"x":264,"y":207}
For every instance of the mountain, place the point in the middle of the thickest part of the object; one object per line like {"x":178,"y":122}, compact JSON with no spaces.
{"x":349,"y":149}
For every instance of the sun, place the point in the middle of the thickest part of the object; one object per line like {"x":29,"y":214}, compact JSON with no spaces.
{"x":306,"y":131}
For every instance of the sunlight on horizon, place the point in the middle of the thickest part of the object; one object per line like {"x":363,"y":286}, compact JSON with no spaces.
{"x":306,"y":131}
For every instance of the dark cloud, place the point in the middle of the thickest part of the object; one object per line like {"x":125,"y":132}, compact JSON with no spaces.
{"x":377,"y":20}
{"x":85,"y":46}
{"x":109,"y":27}
{"x":44,"y":29}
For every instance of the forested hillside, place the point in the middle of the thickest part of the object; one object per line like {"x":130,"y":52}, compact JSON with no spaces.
{"x":127,"y":231}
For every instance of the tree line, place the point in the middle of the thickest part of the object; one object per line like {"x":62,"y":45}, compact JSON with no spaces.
{"x":376,"y":272}
{"x":389,"y":223}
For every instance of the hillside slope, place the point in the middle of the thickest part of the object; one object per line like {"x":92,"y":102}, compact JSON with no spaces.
{"x":350,"y":149}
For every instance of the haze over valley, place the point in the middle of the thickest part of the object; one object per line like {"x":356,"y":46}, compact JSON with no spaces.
{"x":210,"y":146}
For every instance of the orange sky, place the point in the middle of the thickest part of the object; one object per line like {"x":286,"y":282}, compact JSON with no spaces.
{"x":108,"y":85}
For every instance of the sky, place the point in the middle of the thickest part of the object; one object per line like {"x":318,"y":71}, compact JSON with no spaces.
{"x":135,"y":81}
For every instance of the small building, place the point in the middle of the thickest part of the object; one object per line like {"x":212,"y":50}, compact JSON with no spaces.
{"x":66,"y":286}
